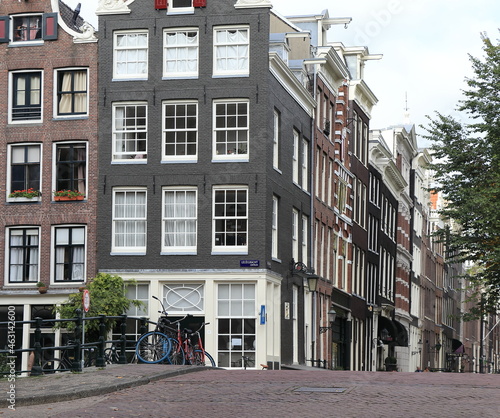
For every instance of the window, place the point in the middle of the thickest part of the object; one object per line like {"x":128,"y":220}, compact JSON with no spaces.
{"x":180,"y":131}
{"x":71,"y":166}
{"x":179,"y":220}
{"x":138,"y":292}
{"x":69,"y":251}
{"x":180,"y":6}
{"x":130,"y":131}
{"x":26,"y":97}
{"x":231,"y":51}
{"x":295,"y":234}
{"x":184,"y":297}
{"x":236,"y":324}
{"x":72,"y":96}
{"x":230,"y":219}
{"x":23,"y":255}
{"x":305,"y":238}
{"x":305,"y":165}
{"x":25,"y":167}
{"x":274,"y":234}
{"x":180,"y":53}
{"x":231,"y":129}
{"x":129,"y":221}
{"x":130,"y":55}
{"x":28,"y":28}
{"x":295,"y":161}
{"x":276,"y":138}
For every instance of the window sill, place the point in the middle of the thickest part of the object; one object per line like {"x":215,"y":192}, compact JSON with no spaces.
{"x":70,"y":117}
{"x":178,"y":253}
{"x":127,"y":253}
{"x":190,"y":161}
{"x":229,"y":252}
{"x":130,"y":79}
{"x":231,"y":160}
{"x":131,"y":161}
{"x":230,"y":75}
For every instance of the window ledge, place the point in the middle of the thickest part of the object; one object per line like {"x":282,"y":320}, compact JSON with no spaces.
{"x":179,"y":161}
{"x":127,"y":253}
{"x":131,"y":161}
{"x":178,"y":253}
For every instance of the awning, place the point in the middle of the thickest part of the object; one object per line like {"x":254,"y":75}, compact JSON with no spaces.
{"x":387,"y":331}
{"x":402,"y":334}
{"x":457,"y":346}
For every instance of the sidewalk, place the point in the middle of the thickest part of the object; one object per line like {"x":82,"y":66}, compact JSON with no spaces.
{"x":91,"y":382}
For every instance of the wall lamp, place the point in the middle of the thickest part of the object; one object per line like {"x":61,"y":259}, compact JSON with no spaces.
{"x":435,"y":348}
{"x":332,"y":315}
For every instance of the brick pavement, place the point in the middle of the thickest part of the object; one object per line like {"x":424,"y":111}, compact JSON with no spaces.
{"x":225,"y":393}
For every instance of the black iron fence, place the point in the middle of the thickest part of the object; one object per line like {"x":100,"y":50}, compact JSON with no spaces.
{"x":76,"y":344}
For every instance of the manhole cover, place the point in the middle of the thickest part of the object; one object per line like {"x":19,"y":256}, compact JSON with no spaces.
{"x":322,"y":390}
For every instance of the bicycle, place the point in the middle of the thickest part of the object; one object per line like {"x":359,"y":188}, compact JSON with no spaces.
{"x":155,"y":346}
{"x":194,"y":353}
{"x":65,"y":362}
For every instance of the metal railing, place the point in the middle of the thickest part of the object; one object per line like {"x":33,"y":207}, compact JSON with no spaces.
{"x":76,"y":343}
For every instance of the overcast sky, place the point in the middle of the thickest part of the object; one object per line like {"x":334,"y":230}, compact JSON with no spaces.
{"x":425,"y":46}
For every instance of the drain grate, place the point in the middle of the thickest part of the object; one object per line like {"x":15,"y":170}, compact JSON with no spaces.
{"x":322,"y":390}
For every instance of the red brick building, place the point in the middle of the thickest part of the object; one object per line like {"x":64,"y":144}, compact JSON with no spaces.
{"x":48,"y":134}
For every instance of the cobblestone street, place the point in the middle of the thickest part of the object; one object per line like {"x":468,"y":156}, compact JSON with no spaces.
{"x":312,"y":393}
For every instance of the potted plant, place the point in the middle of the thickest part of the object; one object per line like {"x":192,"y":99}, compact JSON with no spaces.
{"x":26,"y":193}
{"x":391,"y":364}
{"x":42,"y":287}
{"x":68,"y":195}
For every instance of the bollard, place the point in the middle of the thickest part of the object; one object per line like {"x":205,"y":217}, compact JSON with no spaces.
{"x":100,"y":361}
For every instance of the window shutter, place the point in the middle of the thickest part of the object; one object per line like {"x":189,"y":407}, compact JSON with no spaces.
{"x":199,"y":3}
{"x":4,"y":28}
{"x":49,"y":26}
{"x":161,"y":4}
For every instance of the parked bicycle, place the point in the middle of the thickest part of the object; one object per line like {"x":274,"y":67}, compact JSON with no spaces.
{"x":65,"y":361}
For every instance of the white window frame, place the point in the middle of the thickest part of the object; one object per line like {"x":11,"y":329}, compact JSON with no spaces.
{"x":238,"y":130}
{"x":295,"y":234}
{"x":9,"y":172}
{"x":7,"y":276}
{"x":137,"y":249}
{"x":295,"y":158}
{"x":178,"y":218}
{"x":135,"y":156}
{"x":180,"y":50}
{"x":276,"y":139}
{"x":116,"y":49}
{"x":237,"y":306}
{"x":54,"y":257}
{"x":305,"y":165}
{"x":171,"y":10}
{"x":11,"y":97}
{"x":274,"y":232}
{"x":57,"y":73}
{"x":55,"y":160}
{"x":229,"y":249}
{"x":186,"y":130}
{"x":186,"y":297}
{"x":305,"y":239}
{"x":12,"y":30}
{"x":220,"y":46}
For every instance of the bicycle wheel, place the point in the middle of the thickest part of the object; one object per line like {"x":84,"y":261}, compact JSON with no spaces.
{"x":176,"y":356}
{"x":153,"y":347}
{"x":53,"y":365}
{"x":200,"y":361}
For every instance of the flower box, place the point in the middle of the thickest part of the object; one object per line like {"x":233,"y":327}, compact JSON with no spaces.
{"x":66,"y":198}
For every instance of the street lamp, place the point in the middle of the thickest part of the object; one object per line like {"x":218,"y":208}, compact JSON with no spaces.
{"x":332,"y":315}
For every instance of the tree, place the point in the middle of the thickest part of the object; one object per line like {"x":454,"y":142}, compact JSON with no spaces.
{"x":466,"y":166}
{"x":107,"y":297}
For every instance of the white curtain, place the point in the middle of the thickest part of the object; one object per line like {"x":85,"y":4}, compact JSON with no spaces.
{"x":232,"y":54}
{"x":182,"y":52}
{"x":180,"y":219}
{"x":130,"y":215}
{"x":22,"y":255}
{"x":133,"y":58}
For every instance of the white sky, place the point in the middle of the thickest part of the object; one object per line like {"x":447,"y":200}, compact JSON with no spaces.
{"x":425,"y":44}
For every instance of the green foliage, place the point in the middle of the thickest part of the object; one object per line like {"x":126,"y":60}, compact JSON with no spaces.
{"x":466,"y":166}
{"x":107,"y":297}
